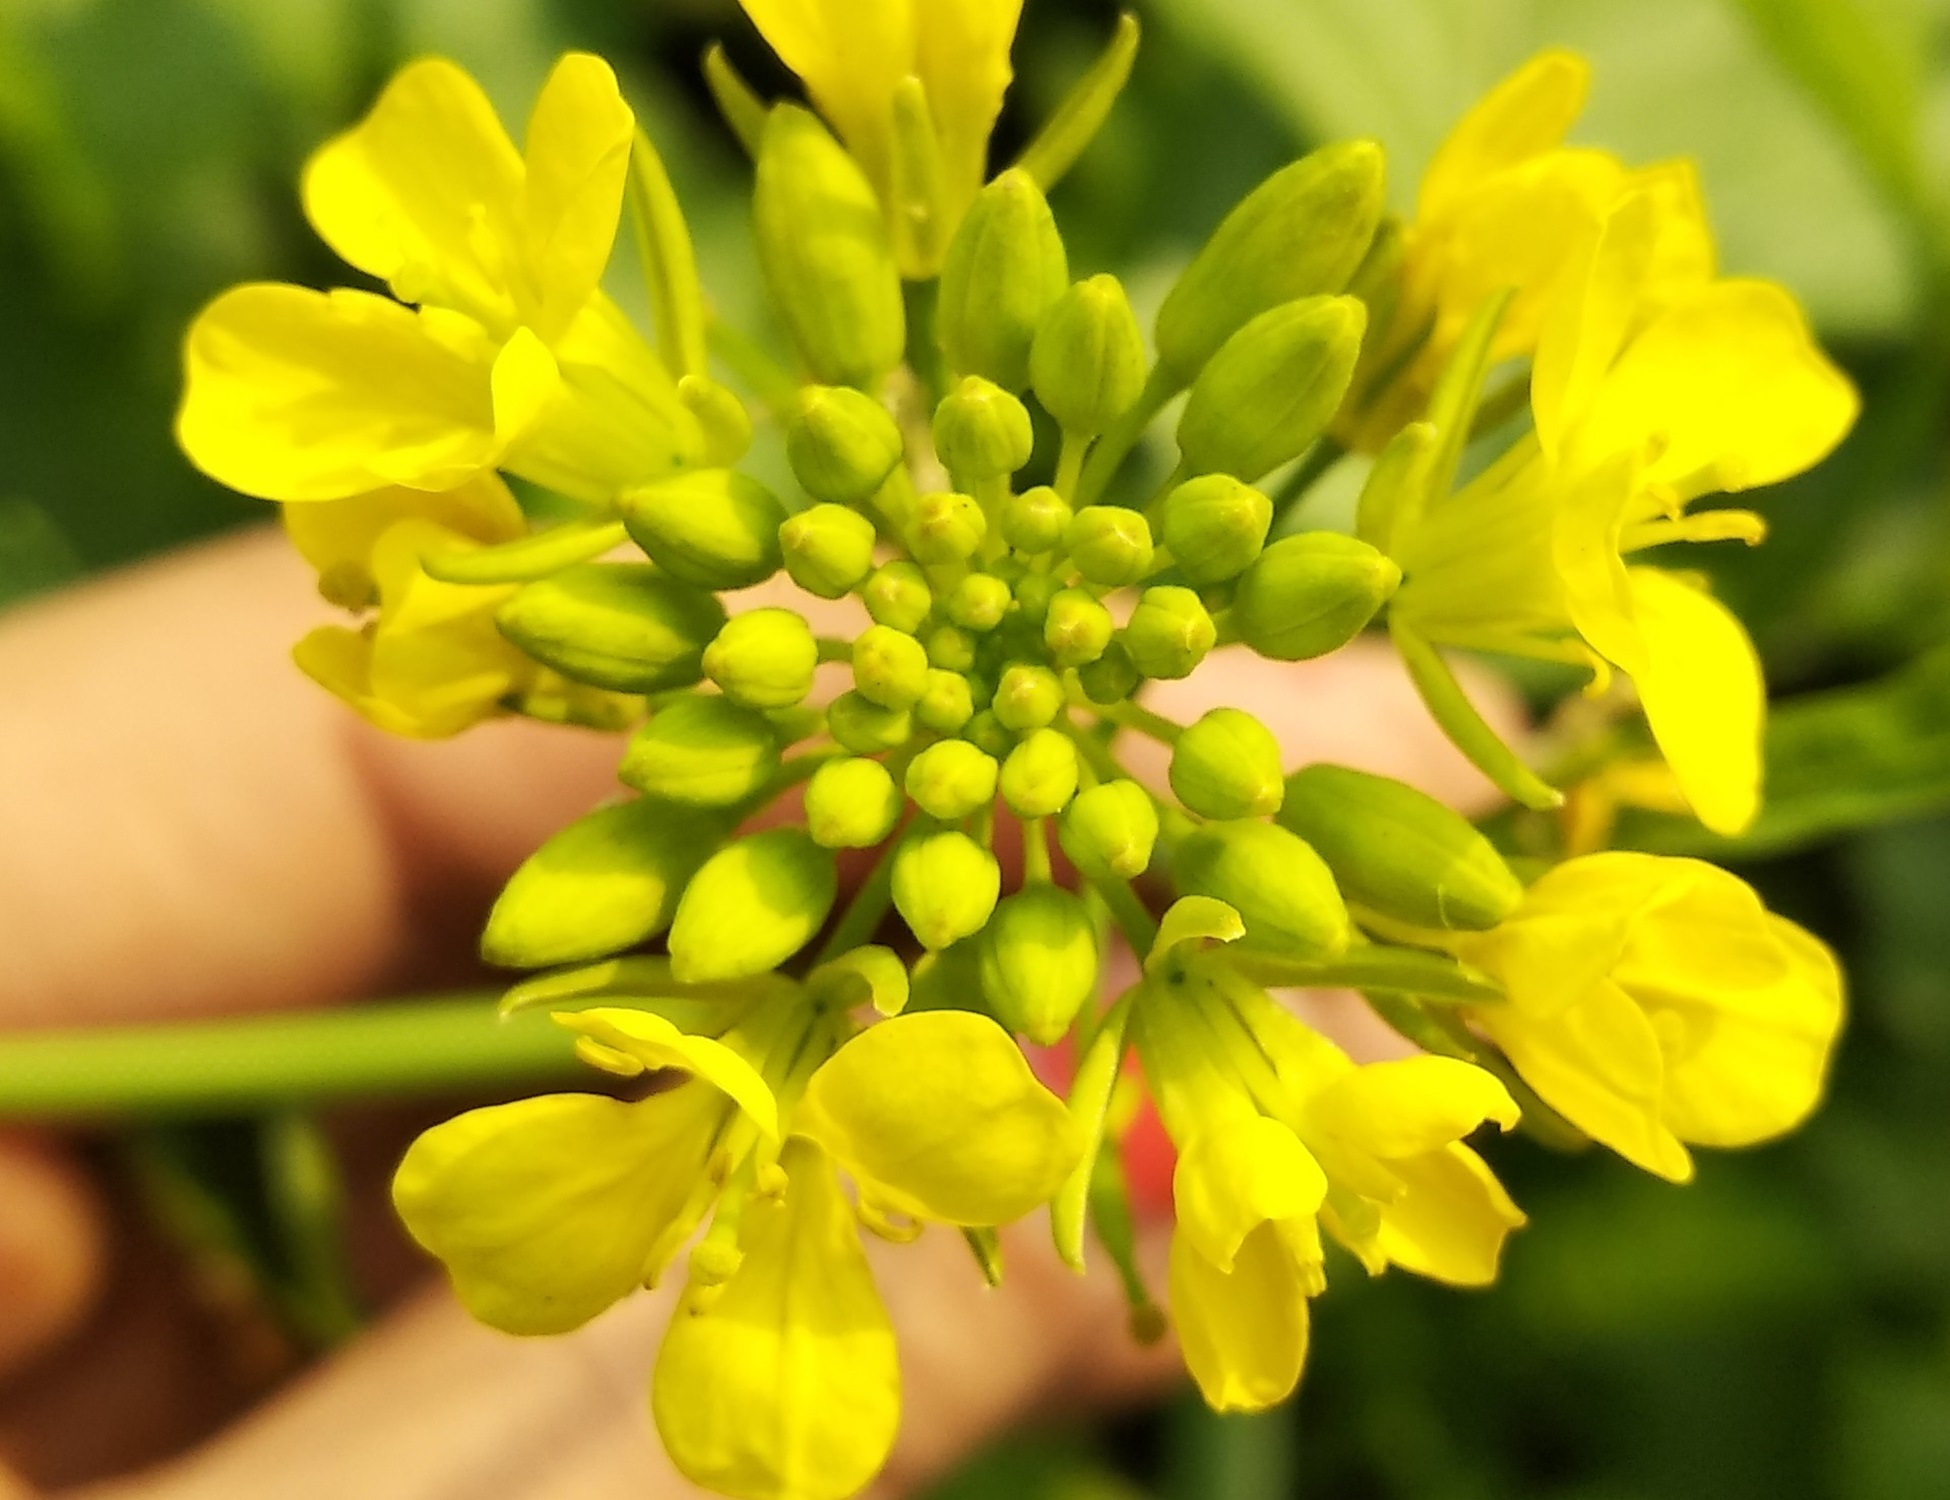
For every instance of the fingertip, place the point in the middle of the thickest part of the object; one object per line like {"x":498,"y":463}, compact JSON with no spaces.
{"x":51,"y":1252}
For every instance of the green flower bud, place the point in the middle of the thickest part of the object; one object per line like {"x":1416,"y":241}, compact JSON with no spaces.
{"x":1040,"y":776}
{"x":1227,"y":765}
{"x":1214,"y":527}
{"x":950,"y":648}
{"x":605,"y":883}
{"x":828,"y":549}
{"x":714,"y":528}
{"x":1034,"y":591}
{"x":1272,"y":388}
{"x":1273,"y":879}
{"x":951,"y":779}
{"x":1170,"y":632}
{"x":945,"y":885}
{"x":1039,"y":961}
{"x":1087,"y":363}
{"x":1311,"y":594}
{"x":1076,"y":628}
{"x":842,"y":444}
{"x":981,"y":432}
{"x":823,"y":246}
{"x":1300,"y":233}
{"x":752,"y":906}
{"x":948,"y":528}
{"x":1400,"y":851}
{"x":898,"y":596}
{"x":946,"y":702}
{"x":1110,"y":830}
{"x":1005,"y":269}
{"x":866,"y":728}
{"x":1110,"y":545}
{"x":986,"y":733}
{"x":979,"y":601}
{"x":1035,"y":520}
{"x":1027,"y":697}
{"x":851,"y":804}
{"x":622,"y":626}
{"x":703,"y":750}
{"x":1111,"y":678}
{"x":764,"y":658}
{"x":889,"y":667}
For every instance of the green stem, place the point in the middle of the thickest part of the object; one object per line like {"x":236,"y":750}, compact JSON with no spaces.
{"x":868,"y":908}
{"x":1069,"y":463}
{"x":1137,"y":924}
{"x":1135,"y":716}
{"x":1036,"y":866}
{"x":1306,"y":474}
{"x":832,"y":648}
{"x":1108,"y":456}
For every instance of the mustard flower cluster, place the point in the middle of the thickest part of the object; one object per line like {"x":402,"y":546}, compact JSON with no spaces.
{"x":964,"y":556}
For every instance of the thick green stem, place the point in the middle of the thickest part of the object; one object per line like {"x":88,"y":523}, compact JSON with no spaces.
{"x":1108,"y":456}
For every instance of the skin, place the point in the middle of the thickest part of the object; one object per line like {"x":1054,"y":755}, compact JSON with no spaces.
{"x":190,"y":828}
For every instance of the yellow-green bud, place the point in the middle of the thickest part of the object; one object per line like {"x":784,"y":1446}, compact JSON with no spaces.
{"x":842,"y":444}
{"x":1298,"y":234}
{"x":1076,"y":627}
{"x":1110,"y":545}
{"x":951,"y":779}
{"x":1110,"y":830}
{"x":823,"y":245}
{"x":986,"y":733}
{"x":890,"y":667}
{"x":948,"y":528}
{"x":866,"y":728}
{"x":951,"y":648}
{"x":1035,"y":520}
{"x":851,"y":804}
{"x":1227,"y":765}
{"x":979,"y":601}
{"x":703,"y":750}
{"x":1040,"y":776}
{"x":898,"y":596}
{"x":605,"y":883}
{"x":1170,"y":632}
{"x":1311,"y":594}
{"x":1027,"y":697}
{"x":945,"y":885}
{"x":947,"y":703}
{"x":981,"y":432}
{"x":1111,"y":678}
{"x":1087,"y":363}
{"x":1273,"y":879}
{"x":1214,"y":527}
{"x":1033,"y":594}
{"x":714,"y":528}
{"x":828,"y":549}
{"x":622,"y":626}
{"x":764,"y":658}
{"x":1400,"y":851}
{"x":752,"y":906}
{"x":1005,"y":268}
{"x":1039,"y":961}
{"x":1272,"y":388}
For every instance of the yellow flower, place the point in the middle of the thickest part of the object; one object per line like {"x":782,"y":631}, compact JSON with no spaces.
{"x":1655,"y":1002}
{"x":853,"y":55}
{"x":509,"y":355}
{"x":339,"y":537}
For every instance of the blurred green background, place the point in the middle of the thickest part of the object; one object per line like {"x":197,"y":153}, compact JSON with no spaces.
{"x":1783,"y":1328}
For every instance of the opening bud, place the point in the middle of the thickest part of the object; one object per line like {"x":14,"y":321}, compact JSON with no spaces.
{"x":703,"y":750}
{"x":1111,"y":678}
{"x":981,"y":432}
{"x":947,"y":703}
{"x":714,"y":528}
{"x":1076,"y":628}
{"x":752,"y":906}
{"x":1273,"y":879}
{"x":866,"y":728}
{"x":945,"y":885}
{"x":1311,"y":594}
{"x":889,"y":667}
{"x":1027,"y":697}
{"x":764,"y":658}
{"x":979,"y":601}
{"x":828,"y":549}
{"x":1039,"y":961}
{"x":1214,"y":527}
{"x":1005,"y":269}
{"x":851,"y":804}
{"x":1087,"y":363}
{"x":898,"y":596}
{"x":842,"y":444}
{"x":1110,"y":545}
{"x":948,"y":528}
{"x":951,"y":779}
{"x":1170,"y":632}
{"x":622,"y":626}
{"x":1227,"y":765}
{"x":1034,"y":521}
{"x":1040,"y":776}
{"x":1109,"y":831}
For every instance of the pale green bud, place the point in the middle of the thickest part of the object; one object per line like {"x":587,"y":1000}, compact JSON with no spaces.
{"x":1273,"y":879}
{"x":1034,"y":591}
{"x":945,"y":885}
{"x":1087,"y":363}
{"x":1005,"y":269}
{"x":981,"y":432}
{"x":828,"y":549}
{"x":950,"y":648}
{"x":947,"y":703}
{"x":1298,"y":234}
{"x":1227,"y":765}
{"x":714,"y":528}
{"x":823,"y":245}
{"x":1110,"y":545}
{"x":866,"y":728}
{"x":1039,"y":961}
{"x":764,"y":658}
{"x":1311,"y":594}
{"x":752,"y":906}
{"x":702,"y":749}
{"x":889,"y":667}
{"x":986,"y":733}
{"x":1170,"y":632}
{"x":1035,"y":520}
{"x":842,"y":444}
{"x":1027,"y":697}
{"x":1040,"y":776}
{"x":979,"y":601}
{"x":1110,"y":830}
{"x":951,"y":779}
{"x":1215,"y":526}
{"x":948,"y":528}
{"x":1272,"y":388}
{"x":1400,"y":851}
{"x":898,"y":596}
{"x":851,"y":804}
{"x":622,"y":626}
{"x":1111,"y":678}
{"x":1076,"y":627}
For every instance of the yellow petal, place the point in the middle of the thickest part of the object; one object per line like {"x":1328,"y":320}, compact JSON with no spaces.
{"x":1244,"y":1331}
{"x":1232,"y":1179}
{"x":578,"y":156}
{"x":525,"y":383}
{"x":1524,"y":116}
{"x":936,"y":1115}
{"x":782,"y":1384}
{"x":654,"y":1043}
{"x":1411,"y":1106}
{"x":850,"y":54}
{"x":963,"y":58}
{"x":337,"y":537}
{"x":1450,"y":1222}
